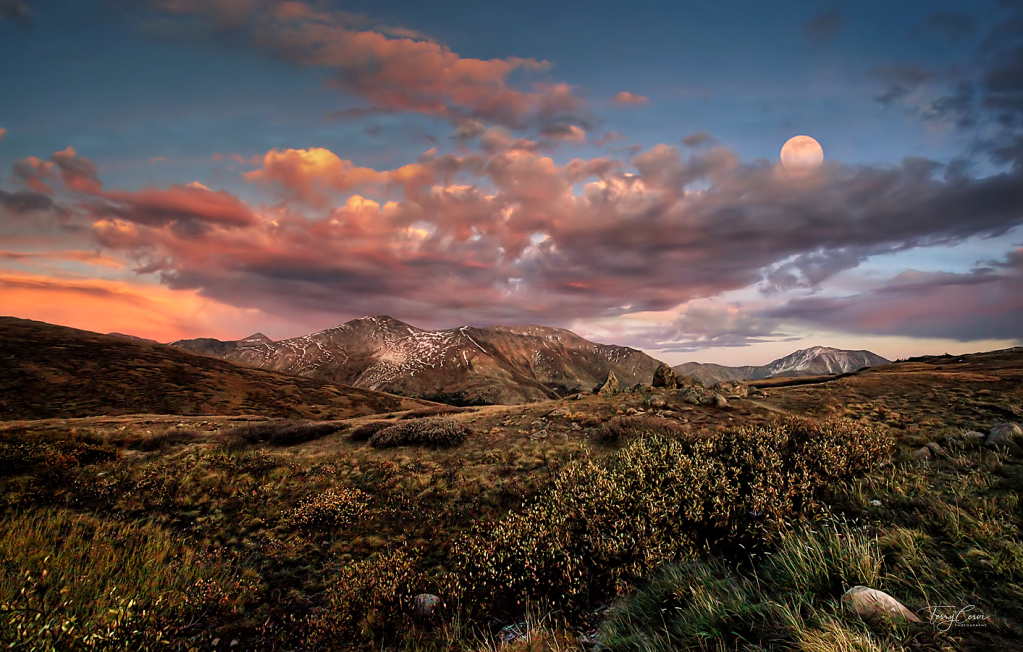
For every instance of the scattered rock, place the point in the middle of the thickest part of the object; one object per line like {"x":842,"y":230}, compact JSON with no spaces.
{"x":656,"y":402}
{"x":875,"y":503}
{"x":924,"y":454}
{"x":1003,"y":434}
{"x":871,"y":603}
{"x":610,"y":386}
{"x":665,"y":377}
{"x":715,"y":399}
{"x":972,"y":437}
{"x":425,"y":603}
{"x":935,"y":448}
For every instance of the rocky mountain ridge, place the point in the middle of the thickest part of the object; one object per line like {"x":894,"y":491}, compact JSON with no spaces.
{"x":464,"y":365}
{"x":814,"y":361}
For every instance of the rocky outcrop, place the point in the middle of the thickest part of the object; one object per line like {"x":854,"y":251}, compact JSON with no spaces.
{"x":665,"y":377}
{"x":610,"y":386}
{"x":873,"y":604}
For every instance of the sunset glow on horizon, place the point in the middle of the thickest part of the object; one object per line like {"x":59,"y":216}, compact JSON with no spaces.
{"x":220,"y":167}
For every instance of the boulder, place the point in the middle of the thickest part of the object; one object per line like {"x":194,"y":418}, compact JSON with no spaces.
{"x":610,"y":386}
{"x":936,"y":448}
{"x":425,"y":603}
{"x":665,"y":377}
{"x":870,"y":603}
{"x":1003,"y":434}
{"x":715,"y":399}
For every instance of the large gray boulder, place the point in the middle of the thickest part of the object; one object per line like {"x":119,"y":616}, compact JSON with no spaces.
{"x":425,"y":603}
{"x":870,"y":603}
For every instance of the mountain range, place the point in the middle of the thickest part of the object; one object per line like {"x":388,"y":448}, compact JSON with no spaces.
{"x":814,"y":361}
{"x":463,"y":366}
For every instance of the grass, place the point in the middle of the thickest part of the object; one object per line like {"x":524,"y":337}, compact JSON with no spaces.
{"x":743,"y":537}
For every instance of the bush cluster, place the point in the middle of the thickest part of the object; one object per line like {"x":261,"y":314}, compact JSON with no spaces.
{"x":435,"y":432}
{"x":600,"y":527}
{"x":277,"y":433}
{"x":366,"y":600}
{"x":367,"y":430}
{"x":334,"y":508}
{"x":435,"y":411}
{"x":620,"y":428}
{"x":172,"y":437}
{"x":43,"y":452}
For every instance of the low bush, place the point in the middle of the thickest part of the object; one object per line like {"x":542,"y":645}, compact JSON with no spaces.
{"x":600,"y":527}
{"x":334,"y":508}
{"x":172,"y":437}
{"x":434,"y":432}
{"x":367,"y":600}
{"x":436,"y":411}
{"x":620,"y":428}
{"x":300,"y":433}
{"x":367,"y":430}
{"x":50,"y":453}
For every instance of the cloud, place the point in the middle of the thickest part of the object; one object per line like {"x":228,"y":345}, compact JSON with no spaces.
{"x":822,"y":28}
{"x":509,"y":235}
{"x":625,"y":98}
{"x":23,"y":202}
{"x":392,"y":69}
{"x":707,"y":324}
{"x":3,"y":132}
{"x":985,"y":303}
{"x":16,"y":10}
{"x":699,"y":139}
{"x":89,"y":257}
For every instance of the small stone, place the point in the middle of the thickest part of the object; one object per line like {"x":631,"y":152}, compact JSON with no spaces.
{"x":1003,"y":434}
{"x":871,"y":603}
{"x":875,"y":503}
{"x":426,"y":603}
{"x":924,"y":454}
{"x":935,"y":448}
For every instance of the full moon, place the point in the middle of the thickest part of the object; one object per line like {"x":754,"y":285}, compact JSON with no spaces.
{"x":802,"y":154}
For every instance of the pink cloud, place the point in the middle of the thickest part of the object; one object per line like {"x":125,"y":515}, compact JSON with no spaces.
{"x":3,"y":132}
{"x":626,"y":98}
{"x":391,"y":68}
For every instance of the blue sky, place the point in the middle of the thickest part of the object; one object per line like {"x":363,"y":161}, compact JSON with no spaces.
{"x":604,"y":167}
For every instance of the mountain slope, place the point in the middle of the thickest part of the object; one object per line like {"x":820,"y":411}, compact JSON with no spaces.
{"x":500,"y":364}
{"x":54,"y":371}
{"x":815,"y":361}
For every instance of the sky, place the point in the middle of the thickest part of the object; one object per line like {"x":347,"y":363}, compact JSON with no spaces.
{"x":212,"y":168}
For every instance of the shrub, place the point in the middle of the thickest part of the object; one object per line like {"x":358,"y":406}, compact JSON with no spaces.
{"x":367,"y":430}
{"x":334,"y":508}
{"x":367,"y":600}
{"x":172,"y":437}
{"x":619,"y":428}
{"x":302,"y":432}
{"x":50,"y":453}
{"x":436,"y":432}
{"x":435,"y":411}
{"x":600,"y":527}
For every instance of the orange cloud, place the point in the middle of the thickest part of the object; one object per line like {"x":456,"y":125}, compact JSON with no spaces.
{"x":3,"y":132}
{"x":628,"y":98}
{"x":89,"y":257}
{"x":310,"y":175}
{"x":140,"y":309}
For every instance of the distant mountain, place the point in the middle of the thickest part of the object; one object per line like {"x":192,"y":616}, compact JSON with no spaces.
{"x":815,"y":361}
{"x":465,"y":366}
{"x":55,"y":371}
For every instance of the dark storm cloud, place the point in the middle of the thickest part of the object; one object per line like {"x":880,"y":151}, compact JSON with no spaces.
{"x":821,"y":29}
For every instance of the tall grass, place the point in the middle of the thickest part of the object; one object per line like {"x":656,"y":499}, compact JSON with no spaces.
{"x":70,"y":581}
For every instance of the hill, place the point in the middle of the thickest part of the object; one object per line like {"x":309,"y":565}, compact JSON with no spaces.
{"x":504,"y":365}
{"x":54,"y":371}
{"x":815,"y":361}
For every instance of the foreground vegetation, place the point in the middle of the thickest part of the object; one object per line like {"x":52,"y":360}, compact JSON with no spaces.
{"x":744,"y":538}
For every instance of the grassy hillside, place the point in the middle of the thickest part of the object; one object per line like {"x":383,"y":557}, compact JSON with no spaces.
{"x":53,"y":371}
